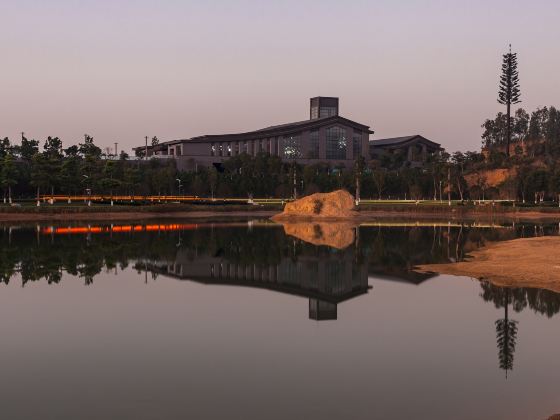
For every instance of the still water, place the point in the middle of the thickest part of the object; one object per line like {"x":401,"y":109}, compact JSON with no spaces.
{"x":245,"y":321}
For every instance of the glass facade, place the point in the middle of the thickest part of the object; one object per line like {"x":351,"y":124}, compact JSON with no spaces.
{"x":336,"y":143}
{"x":357,"y":143}
{"x":291,"y":146}
{"x":313,"y":152}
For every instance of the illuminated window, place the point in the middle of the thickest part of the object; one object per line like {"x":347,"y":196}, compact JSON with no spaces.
{"x":212,"y":149}
{"x":291,"y":146}
{"x":336,"y":143}
{"x":221,"y":150}
{"x":229,"y":149}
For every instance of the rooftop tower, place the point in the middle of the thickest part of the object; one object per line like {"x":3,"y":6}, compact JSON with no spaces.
{"x":323,"y":106}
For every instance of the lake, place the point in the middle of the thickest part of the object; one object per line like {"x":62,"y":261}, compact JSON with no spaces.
{"x":245,"y":321}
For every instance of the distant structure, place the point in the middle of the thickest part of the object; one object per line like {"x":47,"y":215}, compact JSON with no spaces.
{"x":413,"y":150}
{"x":324,"y":137}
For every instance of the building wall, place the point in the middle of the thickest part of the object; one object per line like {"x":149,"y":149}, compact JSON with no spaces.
{"x":207,"y":153}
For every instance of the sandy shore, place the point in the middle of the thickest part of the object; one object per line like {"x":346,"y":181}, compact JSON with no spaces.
{"x":527,"y":262}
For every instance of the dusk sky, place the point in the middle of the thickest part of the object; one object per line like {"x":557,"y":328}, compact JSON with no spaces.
{"x":119,"y":70}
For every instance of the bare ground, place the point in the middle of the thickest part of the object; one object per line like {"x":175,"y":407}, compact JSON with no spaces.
{"x":527,"y":262}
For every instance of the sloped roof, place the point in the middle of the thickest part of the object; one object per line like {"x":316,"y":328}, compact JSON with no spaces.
{"x":397,"y":141}
{"x":275,"y":130}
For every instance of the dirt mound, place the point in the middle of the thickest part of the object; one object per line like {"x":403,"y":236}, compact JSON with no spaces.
{"x":528,"y":262}
{"x":335,"y":205}
{"x":335,"y":235}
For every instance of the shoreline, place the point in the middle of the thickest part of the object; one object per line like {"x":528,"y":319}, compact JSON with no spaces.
{"x":368,"y":214}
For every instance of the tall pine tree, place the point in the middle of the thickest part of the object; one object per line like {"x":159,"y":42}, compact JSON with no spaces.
{"x":509,"y":92}
{"x":506,"y":337}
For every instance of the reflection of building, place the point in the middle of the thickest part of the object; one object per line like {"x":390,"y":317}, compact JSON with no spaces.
{"x":325,"y":281}
{"x":325,"y":136}
{"x":412,"y":149}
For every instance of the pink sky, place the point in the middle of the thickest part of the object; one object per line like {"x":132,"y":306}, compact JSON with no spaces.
{"x":120,"y":70}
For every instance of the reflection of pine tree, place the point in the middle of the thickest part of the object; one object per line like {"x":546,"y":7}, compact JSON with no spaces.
{"x":506,"y":337}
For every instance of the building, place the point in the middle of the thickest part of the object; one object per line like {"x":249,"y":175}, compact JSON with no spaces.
{"x":324,"y":137}
{"x":413,"y":150}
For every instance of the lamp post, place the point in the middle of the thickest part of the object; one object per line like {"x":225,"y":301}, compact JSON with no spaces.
{"x":180,"y":184}
{"x":88,"y":190}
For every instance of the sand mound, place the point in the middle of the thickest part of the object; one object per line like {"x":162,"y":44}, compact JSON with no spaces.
{"x":337,"y":204}
{"x":528,"y":262}
{"x":335,"y":235}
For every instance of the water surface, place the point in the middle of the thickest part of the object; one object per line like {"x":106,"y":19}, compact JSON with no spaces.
{"x":243,"y":321}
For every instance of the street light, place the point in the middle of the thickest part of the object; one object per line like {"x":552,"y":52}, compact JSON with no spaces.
{"x":180,"y":184}
{"x":88,"y":190}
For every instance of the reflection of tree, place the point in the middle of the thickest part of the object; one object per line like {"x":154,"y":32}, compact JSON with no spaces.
{"x":506,"y":337}
{"x":541,"y":301}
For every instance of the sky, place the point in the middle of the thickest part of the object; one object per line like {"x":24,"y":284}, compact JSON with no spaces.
{"x":120,"y":70}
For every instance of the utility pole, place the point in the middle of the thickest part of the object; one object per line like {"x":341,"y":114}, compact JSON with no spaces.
{"x":295,"y":182}
{"x":116,"y":154}
{"x":146,"y":149}
{"x":449,"y":185}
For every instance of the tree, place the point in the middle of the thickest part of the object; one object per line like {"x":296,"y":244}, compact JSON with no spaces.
{"x":213,"y":180}
{"x":5,"y":147}
{"x":8,"y":176}
{"x":27,"y":149}
{"x":359,"y":167}
{"x":506,"y":337}
{"x":53,"y":148}
{"x":155,"y":141}
{"x":379,"y":176}
{"x":39,"y":173}
{"x":88,"y":148}
{"x":509,"y":92}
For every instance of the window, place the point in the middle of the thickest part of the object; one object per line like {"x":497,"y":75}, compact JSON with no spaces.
{"x":291,"y":146}
{"x":336,"y":143}
{"x":245,"y":147}
{"x":357,"y":144}
{"x":228,"y":149}
{"x":221,"y":150}
{"x":314,"y":112}
{"x":236,"y":148}
{"x":212,"y":149}
{"x":327,"y":111}
{"x":313,"y":144}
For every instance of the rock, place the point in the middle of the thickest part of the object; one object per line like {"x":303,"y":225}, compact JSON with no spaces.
{"x":334,"y":235}
{"x":335,"y":205}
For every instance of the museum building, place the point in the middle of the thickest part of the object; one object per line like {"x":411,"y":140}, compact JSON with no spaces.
{"x":324,"y":137}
